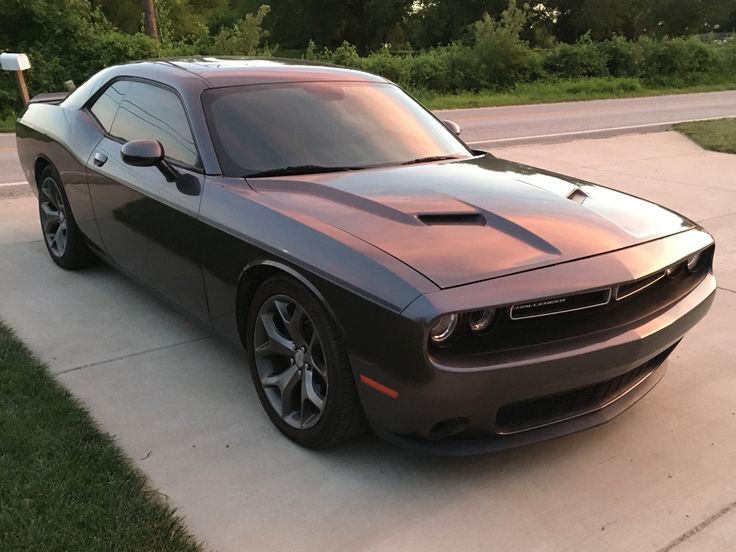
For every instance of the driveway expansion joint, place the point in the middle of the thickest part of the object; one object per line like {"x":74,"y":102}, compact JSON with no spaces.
{"x":3,"y":246}
{"x":131,"y":355}
{"x":710,"y":219}
{"x":699,"y":527}
{"x":726,"y":289}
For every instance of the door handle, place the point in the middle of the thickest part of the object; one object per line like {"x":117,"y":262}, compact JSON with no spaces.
{"x":99,"y":159}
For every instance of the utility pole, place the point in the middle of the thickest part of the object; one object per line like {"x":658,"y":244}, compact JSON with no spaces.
{"x":149,"y":18}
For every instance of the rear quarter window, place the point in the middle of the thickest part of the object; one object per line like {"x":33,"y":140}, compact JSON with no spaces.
{"x":106,"y":106}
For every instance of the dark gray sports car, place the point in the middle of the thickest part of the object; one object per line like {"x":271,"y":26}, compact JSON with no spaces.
{"x":375,"y":268}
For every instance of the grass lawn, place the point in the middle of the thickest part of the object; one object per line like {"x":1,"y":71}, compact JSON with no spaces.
{"x":718,"y":135}
{"x":7,"y":124}
{"x":591,"y":88}
{"x":64,"y":484}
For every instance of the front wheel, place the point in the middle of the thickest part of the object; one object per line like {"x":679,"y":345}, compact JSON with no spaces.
{"x":64,"y":241}
{"x":299,"y":366}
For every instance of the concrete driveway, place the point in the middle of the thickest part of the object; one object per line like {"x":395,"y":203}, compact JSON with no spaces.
{"x":660,"y":477}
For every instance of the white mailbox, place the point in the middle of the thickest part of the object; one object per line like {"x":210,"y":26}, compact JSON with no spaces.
{"x":14,"y":62}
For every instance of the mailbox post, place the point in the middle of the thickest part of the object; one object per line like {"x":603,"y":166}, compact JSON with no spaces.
{"x":17,"y":63}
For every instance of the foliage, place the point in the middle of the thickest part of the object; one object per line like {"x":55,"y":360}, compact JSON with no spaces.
{"x":681,"y":58}
{"x":242,"y":38}
{"x":582,"y":59}
{"x":65,"y":39}
{"x":474,"y":44}
{"x":502,"y":57}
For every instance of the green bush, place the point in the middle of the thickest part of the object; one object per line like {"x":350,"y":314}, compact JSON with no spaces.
{"x":623,"y":57}
{"x":677,"y":59}
{"x":502,"y":58}
{"x":582,"y":59}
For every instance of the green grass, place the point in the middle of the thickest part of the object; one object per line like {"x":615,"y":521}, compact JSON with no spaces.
{"x":718,"y":135}
{"x":7,"y":124}
{"x":64,"y":484}
{"x":592,"y":88}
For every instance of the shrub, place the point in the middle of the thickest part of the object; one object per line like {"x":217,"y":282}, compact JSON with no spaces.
{"x":582,"y":59}
{"x":623,"y":57}
{"x":384,"y":63}
{"x":682,"y":59}
{"x":502,"y":57}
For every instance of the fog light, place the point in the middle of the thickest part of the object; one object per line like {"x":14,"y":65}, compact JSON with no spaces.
{"x":443,"y":328}
{"x":480,"y":320}
{"x":693,"y":262}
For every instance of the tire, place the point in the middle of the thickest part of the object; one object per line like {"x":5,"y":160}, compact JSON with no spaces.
{"x":300,"y":367}
{"x":64,"y":241}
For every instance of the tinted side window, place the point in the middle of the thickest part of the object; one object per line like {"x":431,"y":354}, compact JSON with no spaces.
{"x":151,"y":112}
{"x":106,"y":106}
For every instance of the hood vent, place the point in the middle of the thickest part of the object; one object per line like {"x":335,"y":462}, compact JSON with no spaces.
{"x":578,"y":196}
{"x":452,"y":219}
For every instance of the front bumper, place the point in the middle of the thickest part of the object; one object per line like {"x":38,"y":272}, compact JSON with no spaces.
{"x":461,"y":410}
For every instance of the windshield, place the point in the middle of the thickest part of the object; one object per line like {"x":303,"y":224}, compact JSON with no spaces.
{"x":272,"y":127}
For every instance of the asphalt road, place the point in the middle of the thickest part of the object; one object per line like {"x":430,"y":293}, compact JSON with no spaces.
{"x":488,"y":126}
{"x":495,"y":126}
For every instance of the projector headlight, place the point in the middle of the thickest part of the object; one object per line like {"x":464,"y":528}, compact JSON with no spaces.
{"x":481,"y":319}
{"x":443,"y":328}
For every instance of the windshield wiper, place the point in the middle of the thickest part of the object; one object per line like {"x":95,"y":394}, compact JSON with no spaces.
{"x":430,"y":159}
{"x":299,"y":169}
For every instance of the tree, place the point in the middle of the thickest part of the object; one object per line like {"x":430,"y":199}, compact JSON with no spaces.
{"x":436,"y":22}
{"x":329,"y":23}
{"x":149,"y":19}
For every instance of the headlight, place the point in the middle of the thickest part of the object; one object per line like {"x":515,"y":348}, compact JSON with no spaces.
{"x":443,"y":328}
{"x":480,"y":320}
{"x":693,"y":262}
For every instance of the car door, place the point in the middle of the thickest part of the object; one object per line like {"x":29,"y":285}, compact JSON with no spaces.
{"x":148,"y":226}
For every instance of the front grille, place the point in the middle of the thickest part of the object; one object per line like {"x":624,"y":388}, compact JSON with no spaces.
{"x":529,"y":414}
{"x":627,"y":290}
{"x":520,"y":326}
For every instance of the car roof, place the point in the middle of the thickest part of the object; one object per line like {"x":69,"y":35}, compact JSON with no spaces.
{"x":230,"y":71}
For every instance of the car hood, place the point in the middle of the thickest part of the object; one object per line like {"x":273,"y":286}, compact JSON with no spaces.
{"x":464,"y":221}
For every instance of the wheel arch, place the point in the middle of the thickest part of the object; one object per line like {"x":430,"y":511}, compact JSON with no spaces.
{"x":39,"y":165}
{"x":257,"y":272}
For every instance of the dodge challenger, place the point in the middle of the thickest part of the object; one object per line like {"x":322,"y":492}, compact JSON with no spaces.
{"x":377,"y":270}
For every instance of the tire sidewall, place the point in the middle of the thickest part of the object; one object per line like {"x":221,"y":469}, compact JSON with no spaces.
{"x":76,"y":254}
{"x":335,"y":357}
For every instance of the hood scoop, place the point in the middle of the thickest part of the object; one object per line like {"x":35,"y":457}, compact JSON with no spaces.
{"x":452,"y":219}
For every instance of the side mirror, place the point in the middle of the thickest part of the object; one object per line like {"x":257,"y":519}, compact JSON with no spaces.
{"x":454,"y":127}
{"x":148,"y":153}
{"x":142,"y":153}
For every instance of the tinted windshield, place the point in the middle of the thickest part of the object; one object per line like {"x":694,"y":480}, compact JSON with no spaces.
{"x":260,"y":128}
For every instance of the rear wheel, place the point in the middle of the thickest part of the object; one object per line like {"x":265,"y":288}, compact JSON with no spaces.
{"x":64,"y":241}
{"x":300,"y":367}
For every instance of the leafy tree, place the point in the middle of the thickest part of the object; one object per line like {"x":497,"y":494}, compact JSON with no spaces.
{"x":329,"y":23}
{"x":66,"y":39}
{"x":434,"y":22}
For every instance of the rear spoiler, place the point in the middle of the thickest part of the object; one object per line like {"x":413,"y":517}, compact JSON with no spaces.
{"x":50,"y":98}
